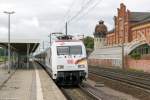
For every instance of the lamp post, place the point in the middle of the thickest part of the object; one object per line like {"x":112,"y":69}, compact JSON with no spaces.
{"x":9,"y":13}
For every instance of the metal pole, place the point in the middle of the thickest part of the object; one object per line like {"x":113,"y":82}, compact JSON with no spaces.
{"x":50,"y":39}
{"x":9,"y":43}
{"x":5,"y":56}
{"x":122,"y":55}
{"x":9,"y":13}
{"x":123,"y":40}
{"x":43,"y":45}
{"x":28,"y":49}
{"x":66,"y":28}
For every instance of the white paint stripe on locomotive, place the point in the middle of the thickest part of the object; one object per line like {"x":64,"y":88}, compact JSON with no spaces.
{"x":39,"y":93}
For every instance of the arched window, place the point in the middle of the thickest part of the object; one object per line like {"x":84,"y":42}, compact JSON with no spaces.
{"x":143,"y":49}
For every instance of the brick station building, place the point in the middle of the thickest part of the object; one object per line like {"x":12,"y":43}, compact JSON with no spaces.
{"x":131,"y":29}
{"x":128,"y":25}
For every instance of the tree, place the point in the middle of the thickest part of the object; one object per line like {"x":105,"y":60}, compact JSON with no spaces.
{"x":89,"y":42}
{"x":136,"y":55}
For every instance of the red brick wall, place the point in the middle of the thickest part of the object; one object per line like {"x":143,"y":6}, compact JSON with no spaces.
{"x":111,"y":38}
{"x":145,"y":31}
{"x":123,"y":27}
{"x":103,"y":62}
{"x":139,"y":64}
{"x":100,"y":62}
{"x":143,"y":64}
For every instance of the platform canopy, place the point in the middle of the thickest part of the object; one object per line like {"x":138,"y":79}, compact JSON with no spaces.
{"x":21,"y":46}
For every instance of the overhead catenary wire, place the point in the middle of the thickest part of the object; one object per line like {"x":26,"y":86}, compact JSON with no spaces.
{"x":68,"y":13}
{"x":83,"y":8}
{"x":79,"y":12}
{"x":87,"y":6}
{"x":87,"y":11}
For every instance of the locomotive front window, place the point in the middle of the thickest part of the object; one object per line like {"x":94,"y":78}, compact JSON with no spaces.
{"x":75,"y":50}
{"x":69,"y":50}
{"x":62,"y":50}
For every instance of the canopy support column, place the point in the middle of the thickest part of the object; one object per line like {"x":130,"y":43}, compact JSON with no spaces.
{"x":28,"y":50}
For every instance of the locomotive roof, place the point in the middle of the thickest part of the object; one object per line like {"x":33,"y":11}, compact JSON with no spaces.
{"x":68,"y":41}
{"x":65,"y":37}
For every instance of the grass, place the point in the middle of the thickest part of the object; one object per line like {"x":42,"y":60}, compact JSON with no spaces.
{"x":134,"y":70}
{"x":3,"y":58}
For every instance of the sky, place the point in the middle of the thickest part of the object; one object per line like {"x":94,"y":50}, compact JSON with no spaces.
{"x":36,"y":19}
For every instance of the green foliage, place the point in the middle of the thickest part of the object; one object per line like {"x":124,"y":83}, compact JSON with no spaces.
{"x":3,"y":58}
{"x":134,"y":70}
{"x":2,"y":52}
{"x":136,"y":55}
{"x":89,"y":42}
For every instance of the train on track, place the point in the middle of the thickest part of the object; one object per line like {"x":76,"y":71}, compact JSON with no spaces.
{"x":65,"y":61}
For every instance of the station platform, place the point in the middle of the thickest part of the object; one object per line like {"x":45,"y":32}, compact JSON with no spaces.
{"x":4,"y":75}
{"x":30,"y":84}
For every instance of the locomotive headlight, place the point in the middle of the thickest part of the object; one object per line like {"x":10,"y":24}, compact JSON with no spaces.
{"x":60,"y":67}
{"x":81,"y":66}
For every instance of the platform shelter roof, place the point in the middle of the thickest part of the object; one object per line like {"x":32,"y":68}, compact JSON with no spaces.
{"x":21,"y":45}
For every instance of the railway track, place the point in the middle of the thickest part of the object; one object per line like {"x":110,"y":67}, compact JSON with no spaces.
{"x":79,"y":93}
{"x":129,"y":78}
{"x":134,"y":83}
{"x":76,"y":93}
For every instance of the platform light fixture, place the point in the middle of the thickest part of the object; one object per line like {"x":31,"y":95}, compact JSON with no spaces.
{"x":9,"y":13}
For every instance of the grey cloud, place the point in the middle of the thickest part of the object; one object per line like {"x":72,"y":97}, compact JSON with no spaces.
{"x":38,"y":18}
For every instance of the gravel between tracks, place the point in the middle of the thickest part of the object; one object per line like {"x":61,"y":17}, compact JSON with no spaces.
{"x":107,"y":93}
{"x":75,"y":93}
{"x":127,"y":88}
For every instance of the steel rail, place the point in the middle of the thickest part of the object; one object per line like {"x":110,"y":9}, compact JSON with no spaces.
{"x":135,"y":73}
{"x":89,"y":92}
{"x":129,"y":76}
{"x":81,"y":88}
{"x":122,"y":78}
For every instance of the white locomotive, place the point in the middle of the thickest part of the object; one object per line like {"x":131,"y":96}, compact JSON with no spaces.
{"x":66,"y":62}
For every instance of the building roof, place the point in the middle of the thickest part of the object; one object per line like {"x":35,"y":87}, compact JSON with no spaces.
{"x":19,"y":40}
{"x":20,"y":45}
{"x":139,"y":17}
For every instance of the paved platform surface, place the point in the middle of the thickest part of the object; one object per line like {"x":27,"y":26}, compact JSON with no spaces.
{"x":49,"y":89}
{"x":31,"y":84}
{"x":4,"y":75}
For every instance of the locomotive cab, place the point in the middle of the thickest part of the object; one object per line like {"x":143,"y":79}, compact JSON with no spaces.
{"x":66,"y":61}
{"x":70,"y":62}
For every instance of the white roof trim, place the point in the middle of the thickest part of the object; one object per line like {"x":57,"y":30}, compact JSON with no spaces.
{"x":20,"y":41}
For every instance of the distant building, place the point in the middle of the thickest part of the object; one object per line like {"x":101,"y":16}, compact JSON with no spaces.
{"x":131,"y":29}
{"x":100,"y":35}
{"x":128,"y":25}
